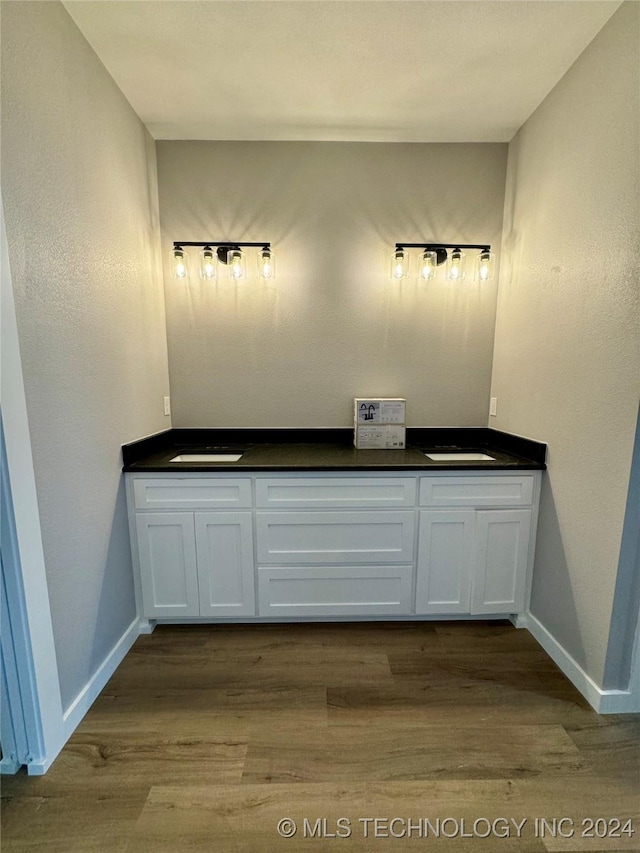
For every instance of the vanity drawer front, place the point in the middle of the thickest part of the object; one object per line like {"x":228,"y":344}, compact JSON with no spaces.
{"x":477,"y":491}
{"x":334,"y":591}
{"x":195,"y":493}
{"x":335,"y":537}
{"x":319,"y":492}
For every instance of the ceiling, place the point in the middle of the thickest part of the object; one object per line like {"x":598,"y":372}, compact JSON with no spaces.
{"x":351,"y":70}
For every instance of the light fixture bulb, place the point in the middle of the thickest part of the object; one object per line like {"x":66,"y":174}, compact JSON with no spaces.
{"x":455,"y":265}
{"x":266,"y":263}
{"x":207,"y":264}
{"x":179,"y":264}
{"x":485,"y":266}
{"x":399,"y":265}
{"x":235,"y":260}
{"x":428,"y":265}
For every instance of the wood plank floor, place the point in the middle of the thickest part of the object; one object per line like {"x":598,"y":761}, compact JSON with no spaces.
{"x":207,"y":736}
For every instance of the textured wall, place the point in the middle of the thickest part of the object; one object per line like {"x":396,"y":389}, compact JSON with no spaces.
{"x":567,"y":354}
{"x":332,"y":326}
{"x":80,"y":196}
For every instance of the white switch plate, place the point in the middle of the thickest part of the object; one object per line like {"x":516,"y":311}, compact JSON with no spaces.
{"x":167,"y":405}
{"x":493,"y":406}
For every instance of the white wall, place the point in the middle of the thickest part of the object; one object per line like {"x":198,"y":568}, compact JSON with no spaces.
{"x":80,"y":197}
{"x":332,"y":326}
{"x":567,"y":349}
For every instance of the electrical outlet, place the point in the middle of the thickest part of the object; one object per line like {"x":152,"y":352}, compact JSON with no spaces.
{"x":167,"y":405}
{"x":493,"y":406}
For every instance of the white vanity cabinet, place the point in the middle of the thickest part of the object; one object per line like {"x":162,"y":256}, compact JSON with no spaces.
{"x":476,"y":546}
{"x":322,"y":544}
{"x":193,"y":563}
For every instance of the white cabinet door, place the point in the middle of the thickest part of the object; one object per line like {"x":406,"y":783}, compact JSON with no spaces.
{"x":224,"y":545}
{"x":445,"y":561}
{"x":501,"y":555}
{"x":168,"y":572}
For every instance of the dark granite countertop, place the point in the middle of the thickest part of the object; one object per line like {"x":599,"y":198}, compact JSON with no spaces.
{"x":330,"y":450}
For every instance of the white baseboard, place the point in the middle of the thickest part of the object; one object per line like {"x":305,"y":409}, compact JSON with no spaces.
{"x":89,"y":693}
{"x":602,"y":701}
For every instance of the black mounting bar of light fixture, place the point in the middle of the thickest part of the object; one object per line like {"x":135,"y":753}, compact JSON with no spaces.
{"x":440,"y":249}
{"x":223,"y":247}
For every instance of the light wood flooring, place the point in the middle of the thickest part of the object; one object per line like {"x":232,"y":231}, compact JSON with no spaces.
{"x":207,"y":736}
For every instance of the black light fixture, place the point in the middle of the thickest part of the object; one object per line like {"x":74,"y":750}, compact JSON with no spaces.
{"x":226,"y":252}
{"x":433,"y":255}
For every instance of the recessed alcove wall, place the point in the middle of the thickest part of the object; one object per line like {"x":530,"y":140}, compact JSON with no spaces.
{"x":333,"y":325}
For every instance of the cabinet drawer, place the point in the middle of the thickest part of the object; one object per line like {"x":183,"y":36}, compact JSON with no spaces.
{"x":334,"y":591}
{"x":335,"y":537}
{"x":335,"y":492}
{"x":476,"y":491}
{"x":175,"y":493}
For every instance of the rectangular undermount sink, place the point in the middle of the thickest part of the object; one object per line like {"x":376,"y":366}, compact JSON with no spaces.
{"x":207,"y":457}
{"x":460,"y":457}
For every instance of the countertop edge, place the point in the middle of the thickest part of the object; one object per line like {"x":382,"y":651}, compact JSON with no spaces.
{"x":216,"y":468}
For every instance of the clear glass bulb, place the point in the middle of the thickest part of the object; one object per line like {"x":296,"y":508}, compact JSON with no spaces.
{"x":235,"y":260}
{"x":485,"y":266}
{"x":179,"y":264}
{"x":399,"y":265}
{"x":207,"y":264}
{"x":266,"y":264}
{"x":428,"y":266}
{"x":455,"y":265}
